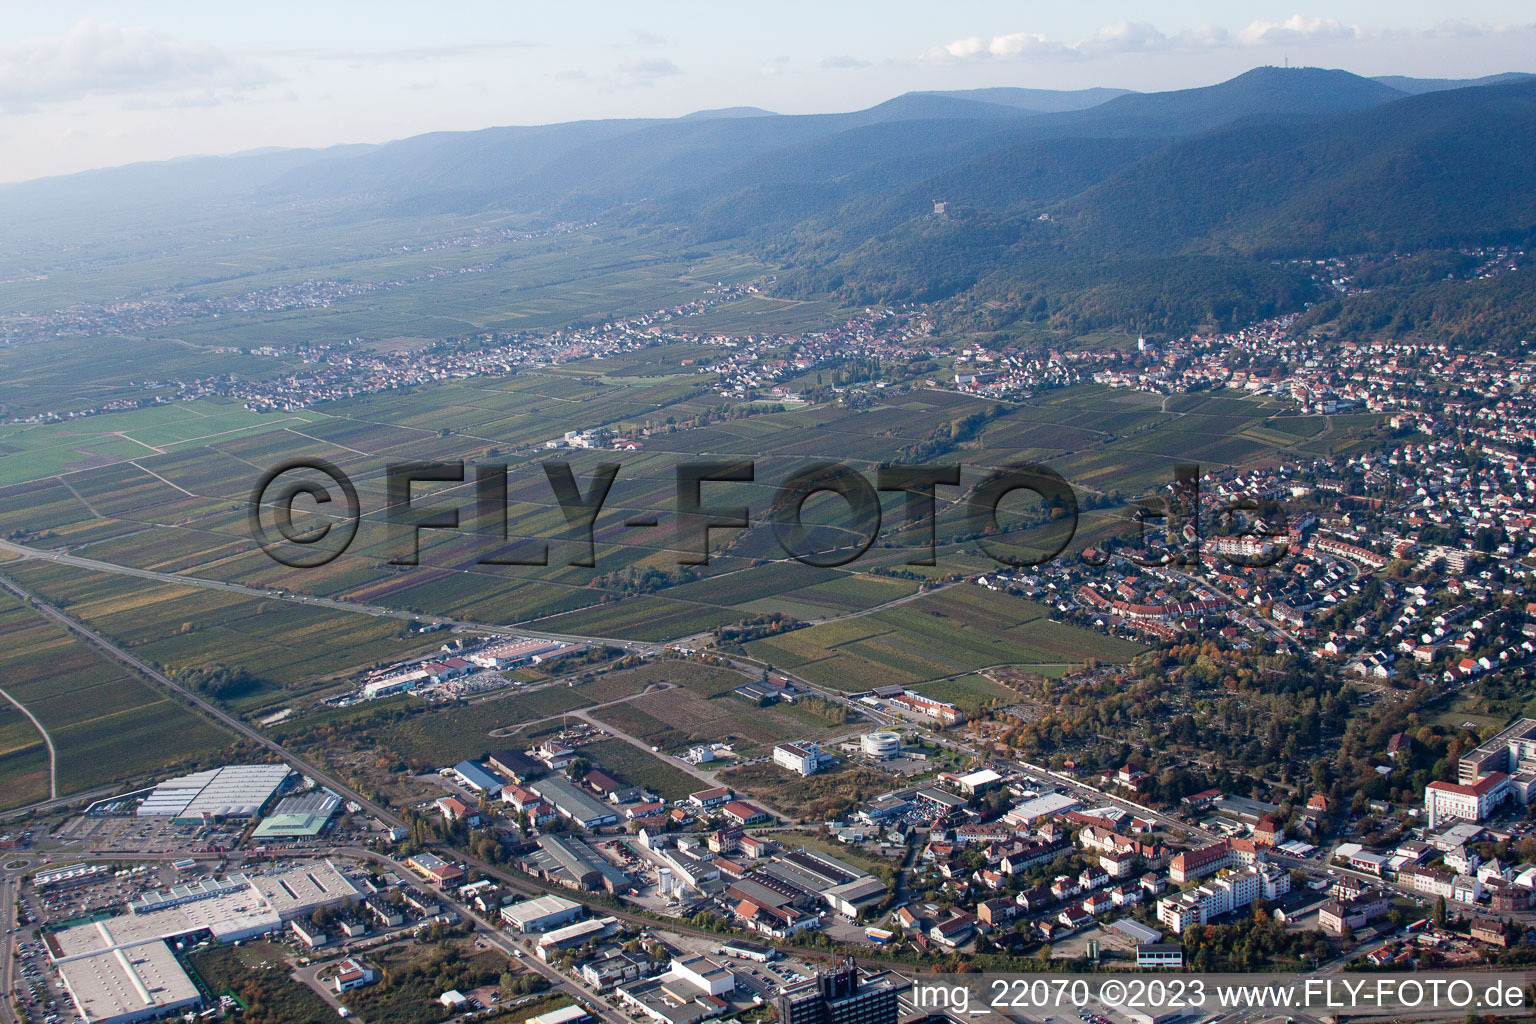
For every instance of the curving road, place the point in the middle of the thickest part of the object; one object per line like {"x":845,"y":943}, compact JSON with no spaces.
{"x":53,"y":759}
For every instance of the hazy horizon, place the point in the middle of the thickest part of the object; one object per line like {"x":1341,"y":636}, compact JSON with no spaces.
{"x":162,"y":81}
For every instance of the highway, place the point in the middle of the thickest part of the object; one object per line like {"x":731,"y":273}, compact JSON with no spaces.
{"x":295,"y":761}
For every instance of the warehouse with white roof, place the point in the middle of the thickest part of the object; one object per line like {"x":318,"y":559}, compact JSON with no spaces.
{"x":128,"y":984}
{"x":234,"y":791}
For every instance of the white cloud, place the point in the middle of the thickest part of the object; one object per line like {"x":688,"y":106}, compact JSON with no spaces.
{"x":1023,"y":44}
{"x":843,"y":61}
{"x":1141,"y":37}
{"x":98,"y":58}
{"x":1124,"y":37}
{"x":1297,"y":29}
{"x":409,"y":54}
{"x":1460,"y":28}
{"x":646,"y":72}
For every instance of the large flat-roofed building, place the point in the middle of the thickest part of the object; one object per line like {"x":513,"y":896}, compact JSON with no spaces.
{"x":67,"y":875}
{"x":577,"y":933}
{"x":238,"y":908}
{"x":231,"y":917}
{"x":304,"y":888}
{"x":127,"y":984}
{"x":580,"y":807}
{"x":571,"y":862}
{"x":177,"y":895}
{"x":839,"y":996}
{"x":1510,"y":751}
{"x":694,"y":989}
{"x":541,"y":913}
{"x":574,"y":1014}
{"x":513,"y":652}
{"x":1027,"y":812}
{"x":476,"y":777}
{"x":234,"y":791}
{"x":516,"y":765}
{"x":303,"y":816}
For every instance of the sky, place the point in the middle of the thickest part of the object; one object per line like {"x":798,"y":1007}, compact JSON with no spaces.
{"x":86,"y":85}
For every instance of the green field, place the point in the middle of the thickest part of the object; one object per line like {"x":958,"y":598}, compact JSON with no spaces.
{"x":257,"y":974}
{"x":107,"y":725}
{"x":164,"y":488}
{"x":970,"y":694}
{"x":943,"y":634}
{"x":180,"y":509}
{"x":641,"y":769}
{"x":293,"y":650}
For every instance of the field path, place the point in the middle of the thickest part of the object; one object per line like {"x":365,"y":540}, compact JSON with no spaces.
{"x":53,"y":759}
{"x":708,"y":778}
{"x":507,"y":730}
{"x":162,"y":479}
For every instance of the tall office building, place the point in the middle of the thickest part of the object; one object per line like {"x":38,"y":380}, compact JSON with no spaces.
{"x":839,"y":996}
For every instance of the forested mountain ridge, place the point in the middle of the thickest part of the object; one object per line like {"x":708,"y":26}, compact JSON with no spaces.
{"x":1085,"y":208}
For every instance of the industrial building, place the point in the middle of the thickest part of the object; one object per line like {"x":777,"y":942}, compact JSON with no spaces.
{"x":573,"y":803}
{"x":237,"y":908}
{"x":578,"y":933}
{"x":541,"y":913}
{"x":476,"y":777}
{"x":514,"y":652}
{"x":302,"y":816}
{"x":573,"y":1014}
{"x":128,"y":984}
{"x":516,"y":765}
{"x":692,"y":990}
{"x":1044,"y":806}
{"x":234,"y":791}
{"x":571,"y":862}
{"x":121,"y":969}
{"x":979,"y":781}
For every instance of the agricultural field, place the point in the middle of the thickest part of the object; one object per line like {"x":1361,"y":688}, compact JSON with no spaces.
{"x":639,"y":768}
{"x":175,"y":503}
{"x":426,"y":737}
{"x":292,"y":650}
{"x":673,"y":721}
{"x":970,"y":693}
{"x":34,"y":451}
{"x":817,"y":798}
{"x":937,"y":636}
{"x":106,"y":724}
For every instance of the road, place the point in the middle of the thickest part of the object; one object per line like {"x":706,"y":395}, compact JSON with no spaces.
{"x":9,"y":885}
{"x":301,"y":764}
{"x":53,"y":760}
{"x":334,"y":604}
